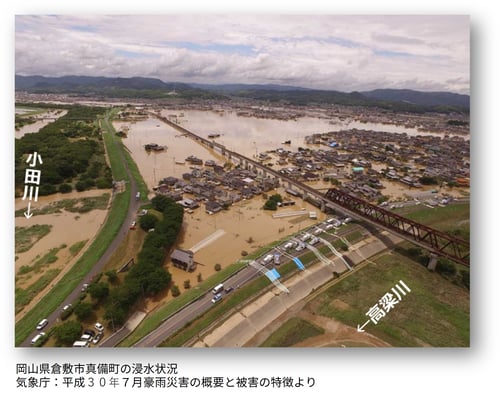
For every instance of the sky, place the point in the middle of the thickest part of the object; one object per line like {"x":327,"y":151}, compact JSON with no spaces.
{"x":345,"y":53}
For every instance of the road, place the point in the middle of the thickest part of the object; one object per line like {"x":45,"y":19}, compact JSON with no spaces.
{"x":193,"y":310}
{"x":196,"y":308}
{"x":99,"y":265}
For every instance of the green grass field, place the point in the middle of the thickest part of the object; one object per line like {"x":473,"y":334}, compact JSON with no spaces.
{"x":450,"y":217}
{"x":434,"y":313}
{"x":293,"y":331}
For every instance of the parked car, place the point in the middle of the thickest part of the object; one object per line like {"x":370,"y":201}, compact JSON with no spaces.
{"x":132,"y":225}
{"x":89,"y":332}
{"x":97,"y":338}
{"x":216,"y":298}
{"x":42,"y":324}
{"x":314,"y":241}
{"x":99,"y":327}
{"x":37,"y":338}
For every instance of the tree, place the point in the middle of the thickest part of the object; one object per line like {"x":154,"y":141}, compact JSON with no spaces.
{"x":83,"y":310}
{"x":217,"y":267}
{"x":175,"y":290}
{"x":112,"y":276}
{"x":187,"y":284}
{"x":67,"y":333}
{"x":161,"y":202}
{"x":446,"y":267}
{"x":116,"y":316}
{"x":157,"y":281}
{"x":65,"y":188}
{"x":272,"y":202}
{"x":98,"y":291}
{"x":199,"y":278}
{"x":147,"y":222}
{"x":80,"y":186}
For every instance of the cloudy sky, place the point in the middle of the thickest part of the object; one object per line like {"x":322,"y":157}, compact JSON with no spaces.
{"x":345,"y":53}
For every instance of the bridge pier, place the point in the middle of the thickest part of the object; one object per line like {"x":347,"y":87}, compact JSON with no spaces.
{"x":304,"y":195}
{"x":323,"y":206}
{"x":432,"y":262}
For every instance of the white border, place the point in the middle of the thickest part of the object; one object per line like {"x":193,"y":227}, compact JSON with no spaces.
{"x":375,"y":372}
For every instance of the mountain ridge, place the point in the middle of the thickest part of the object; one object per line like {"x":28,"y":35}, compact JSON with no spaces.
{"x":395,"y":99}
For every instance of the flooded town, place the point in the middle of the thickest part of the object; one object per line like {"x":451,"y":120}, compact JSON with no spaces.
{"x":223,"y":203}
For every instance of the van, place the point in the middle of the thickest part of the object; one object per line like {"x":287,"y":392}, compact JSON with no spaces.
{"x":81,"y":343}
{"x":217,"y":289}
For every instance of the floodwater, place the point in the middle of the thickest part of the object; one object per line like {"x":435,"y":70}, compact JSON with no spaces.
{"x":245,"y":221}
{"x":251,"y":135}
{"x":246,"y":227}
{"x":67,"y":228}
{"x":155,"y":166}
{"x":37,"y":125}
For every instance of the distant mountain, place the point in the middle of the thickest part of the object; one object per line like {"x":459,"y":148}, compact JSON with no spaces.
{"x":69,"y":82}
{"x":151,"y":88}
{"x":235,"y":88}
{"x":420,"y":98}
{"x":138,"y":87}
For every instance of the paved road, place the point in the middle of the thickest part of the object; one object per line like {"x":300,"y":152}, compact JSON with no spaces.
{"x":196,"y":308}
{"x":193,"y":310}
{"x":99,"y":265}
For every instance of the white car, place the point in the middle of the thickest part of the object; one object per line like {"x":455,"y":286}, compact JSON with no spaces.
{"x":42,"y":324}
{"x":37,"y":338}
{"x":99,"y":327}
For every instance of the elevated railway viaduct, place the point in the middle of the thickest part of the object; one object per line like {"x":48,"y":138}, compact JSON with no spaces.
{"x":435,"y":241}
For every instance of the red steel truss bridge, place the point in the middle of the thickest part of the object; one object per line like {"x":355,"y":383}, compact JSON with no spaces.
{"x":435,"y":241}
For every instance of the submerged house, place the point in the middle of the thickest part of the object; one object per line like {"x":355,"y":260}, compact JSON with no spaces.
{"x":183,"y":259}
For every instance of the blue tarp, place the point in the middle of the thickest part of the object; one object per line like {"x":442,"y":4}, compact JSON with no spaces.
{"x":299,"y":264}
{"x":273,"y":274}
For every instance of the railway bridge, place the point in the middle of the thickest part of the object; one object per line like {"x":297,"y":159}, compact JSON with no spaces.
{"x":435,"y":241}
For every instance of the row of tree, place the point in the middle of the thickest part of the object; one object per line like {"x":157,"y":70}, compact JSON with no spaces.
{"x":147,"y":277}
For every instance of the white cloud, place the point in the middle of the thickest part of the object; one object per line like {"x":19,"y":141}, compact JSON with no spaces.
{"x":329,"y":52}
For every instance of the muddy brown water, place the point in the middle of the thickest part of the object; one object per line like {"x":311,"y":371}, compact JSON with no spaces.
{"x":244,"y":220}
{"x":37,"y":125}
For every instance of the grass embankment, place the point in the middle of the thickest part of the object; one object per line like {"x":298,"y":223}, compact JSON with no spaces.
{"x":68,"y":283}
{"x":293,"y":331}
{"x":132,"y":166}
{"x":434,"y":313}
